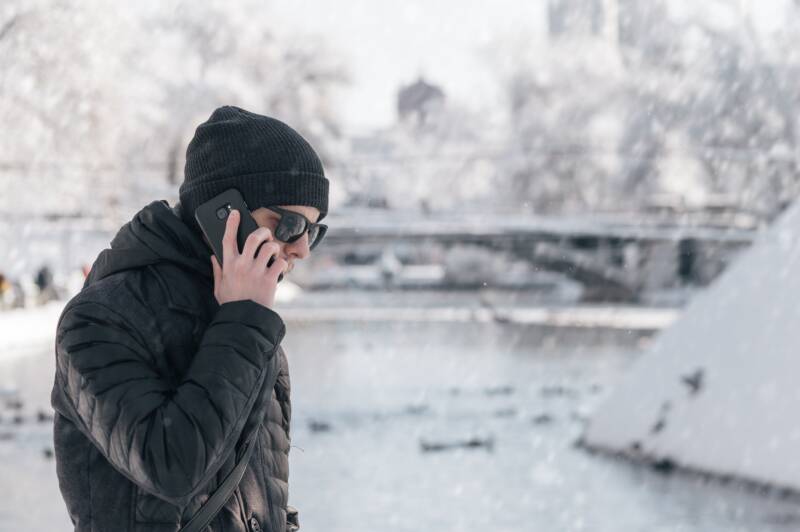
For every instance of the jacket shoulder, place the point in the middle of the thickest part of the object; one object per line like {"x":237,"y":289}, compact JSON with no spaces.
{"x":169,"y":284}
{"x":105,"y":290}
{"x":115,"y":296}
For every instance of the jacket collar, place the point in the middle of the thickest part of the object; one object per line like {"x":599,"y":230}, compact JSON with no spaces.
{"x":154,"y":235}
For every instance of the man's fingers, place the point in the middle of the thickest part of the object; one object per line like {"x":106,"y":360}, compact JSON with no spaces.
{"x":267,"y":250}
{"x":230,"y":248}
{"x":253,"y":241}
{"x":278,"y":267}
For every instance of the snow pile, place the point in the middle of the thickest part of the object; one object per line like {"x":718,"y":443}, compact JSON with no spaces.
{"x":28,"y":330}
{"x":718,"y":391}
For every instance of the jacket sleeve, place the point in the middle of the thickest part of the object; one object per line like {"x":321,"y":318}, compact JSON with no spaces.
{"x":168,"y":438}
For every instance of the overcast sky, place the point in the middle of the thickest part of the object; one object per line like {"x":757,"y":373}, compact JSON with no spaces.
{"x":388,"y":43}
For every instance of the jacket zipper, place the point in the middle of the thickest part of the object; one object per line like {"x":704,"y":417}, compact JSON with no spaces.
{"x":267,"y":492}
{"x":242,"y":513}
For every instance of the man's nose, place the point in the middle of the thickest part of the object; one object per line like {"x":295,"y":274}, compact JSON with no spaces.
{"x":300,"y":247}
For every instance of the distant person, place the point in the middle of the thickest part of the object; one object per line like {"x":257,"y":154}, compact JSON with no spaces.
{"x":44,"y":282}
{"x":169,"y":363}
{"x":44,"y":278}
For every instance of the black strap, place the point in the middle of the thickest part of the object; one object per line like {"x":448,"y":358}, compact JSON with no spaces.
{"x":214,"y":504}
{"x":217,"y":500}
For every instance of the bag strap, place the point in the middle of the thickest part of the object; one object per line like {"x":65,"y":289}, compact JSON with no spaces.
{"x":214,"y":504}
{"x":217,"y":500}
{"x":201,"y":519}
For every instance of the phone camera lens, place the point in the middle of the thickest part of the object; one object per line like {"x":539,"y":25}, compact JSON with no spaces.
{"x":222,"y":212}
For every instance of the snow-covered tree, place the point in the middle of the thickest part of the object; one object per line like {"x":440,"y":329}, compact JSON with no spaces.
{"x":565,"y":110}
{"x":679,"y":105}
{"x":103,"y":99}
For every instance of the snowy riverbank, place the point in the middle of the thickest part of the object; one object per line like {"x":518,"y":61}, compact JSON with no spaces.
{"x":29,"y":330}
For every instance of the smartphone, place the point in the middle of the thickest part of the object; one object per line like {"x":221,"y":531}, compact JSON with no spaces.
{"x":212,"y":216}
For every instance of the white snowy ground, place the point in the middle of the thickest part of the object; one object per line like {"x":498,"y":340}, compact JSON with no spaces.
{"x":27,"y":366}
{"x":719,"y":391}
{"x":27,"y":331}
{"x":367,"y":393}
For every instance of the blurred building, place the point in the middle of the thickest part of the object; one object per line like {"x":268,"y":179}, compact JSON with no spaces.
{"x":418,"y":101}
{"x":621,"y":22}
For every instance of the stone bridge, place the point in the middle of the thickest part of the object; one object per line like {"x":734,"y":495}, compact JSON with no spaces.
{"x":613,"y":260}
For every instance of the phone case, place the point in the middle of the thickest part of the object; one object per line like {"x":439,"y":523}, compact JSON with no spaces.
{"x":209,"y":216}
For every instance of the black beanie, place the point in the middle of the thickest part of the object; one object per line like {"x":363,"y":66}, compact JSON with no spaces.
{"x":268,"y":161}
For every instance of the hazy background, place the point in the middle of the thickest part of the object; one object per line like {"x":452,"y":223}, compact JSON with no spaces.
{"x":523,"y":195}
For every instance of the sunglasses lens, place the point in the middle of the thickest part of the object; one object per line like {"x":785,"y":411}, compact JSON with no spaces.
{"x":291,"y":228}
{"x":294,"y":225}
{"x":313,"y":233}
{"x":319,"y":235}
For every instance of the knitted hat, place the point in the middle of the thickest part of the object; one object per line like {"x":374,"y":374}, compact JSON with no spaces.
{"x":268,"y":161}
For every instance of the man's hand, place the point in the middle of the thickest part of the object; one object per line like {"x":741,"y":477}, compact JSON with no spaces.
{"x":245,"y":275}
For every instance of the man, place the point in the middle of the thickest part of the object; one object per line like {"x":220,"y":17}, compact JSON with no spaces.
{"x":167,"y":362}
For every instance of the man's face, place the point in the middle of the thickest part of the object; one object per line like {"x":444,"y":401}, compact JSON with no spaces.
{"x":291,"y":251}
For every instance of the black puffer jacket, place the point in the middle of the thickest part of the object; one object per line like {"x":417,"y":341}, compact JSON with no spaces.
{"x":157,"y":387}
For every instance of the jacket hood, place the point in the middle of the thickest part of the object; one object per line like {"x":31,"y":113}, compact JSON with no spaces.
{"x":155,"y":234}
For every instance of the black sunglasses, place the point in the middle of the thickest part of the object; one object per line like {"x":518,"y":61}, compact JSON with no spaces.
{"x":293,"y":225}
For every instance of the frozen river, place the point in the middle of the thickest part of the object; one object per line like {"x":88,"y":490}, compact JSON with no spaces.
{"x":383,"y":417}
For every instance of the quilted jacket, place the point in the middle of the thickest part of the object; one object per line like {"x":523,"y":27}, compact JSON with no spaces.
{"x":157,"y":388}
